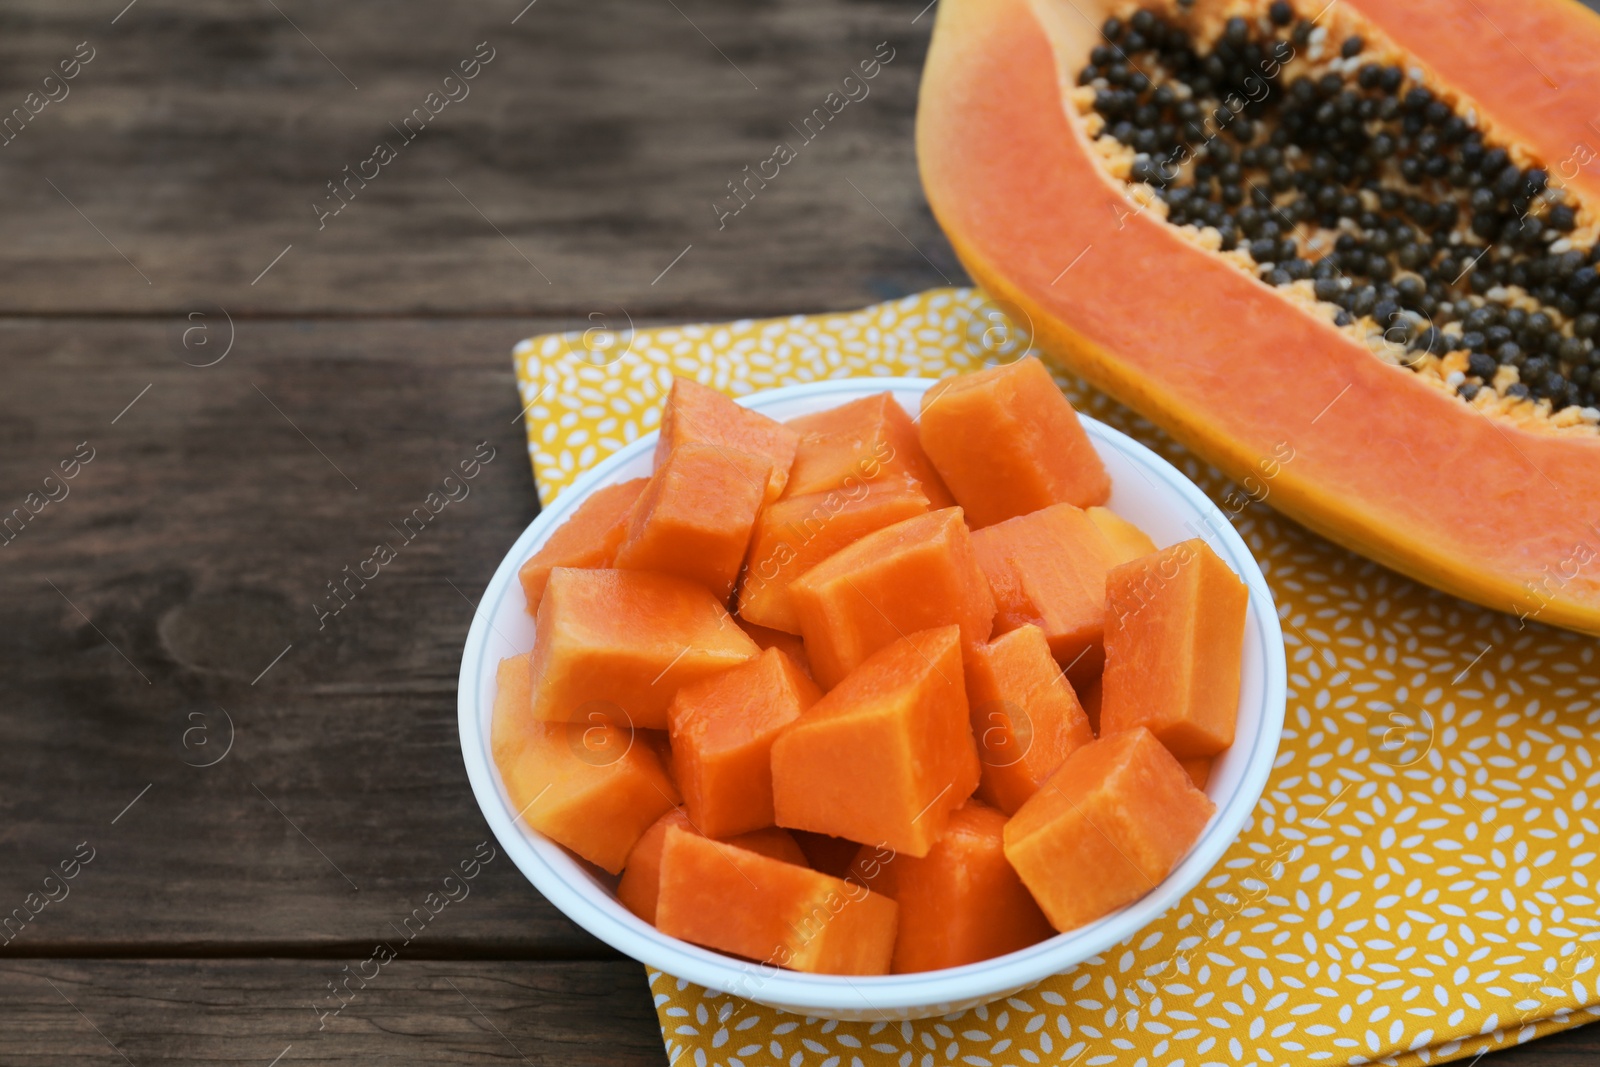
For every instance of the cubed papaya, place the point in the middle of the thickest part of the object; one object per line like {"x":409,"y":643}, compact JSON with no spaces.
{"x":618,"y":644}
{"x":512,"y":717}
{"x":1106,"y":828}
{"x":1007,"y":442}
{"x":722,"y":729}
{"x":1175,"y":624}
{"x":698,"y":413}
{"x":589,"y":538}
{"x":917,"y":574}
{"x":866,"y":441}
{"x":694,"y":517}
{"x":959,"y":904}
{"x":796,"y":533}
{"x":1048,"y":568}
{"x":1024,"y":715}
{"x":887,"y":754}
{"x":1127,"y":541}
{"x":641,"y":878}
{"x":1198,"y":770}
{"x":732,"y":899}
{"x":594,"y":788}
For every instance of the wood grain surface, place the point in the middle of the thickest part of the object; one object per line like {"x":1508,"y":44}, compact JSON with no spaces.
{"x":251,"y":397}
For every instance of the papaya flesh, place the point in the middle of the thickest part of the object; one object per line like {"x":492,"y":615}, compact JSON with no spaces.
{"x":917,"y":574}
{"x":722,"y":729}
{"x":1108,"y":826}
{"x":1394,"y":445}
{"x":1174,"y":639}
{"x":694,"y":517}
{"x":615,"y":645}
{"x":697,"y":413}
{"x":593,"y":788}
{"x":1024,"y":714}
{"x":1007,"y":443}
{"x":796,"y":533}
{"x":870,"y":440}
{"x":1048,"y":569}
{"x":959,"y":904}
{"x":588,"y":539}
{"x":732,"y":899}
{"x":641,"y":878}
{"x":886,"y":755}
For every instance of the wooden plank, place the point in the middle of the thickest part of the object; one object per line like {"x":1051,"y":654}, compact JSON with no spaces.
{"x":579,"y":164}
{"x":250,"y":1011}
{"x":175,"y":582}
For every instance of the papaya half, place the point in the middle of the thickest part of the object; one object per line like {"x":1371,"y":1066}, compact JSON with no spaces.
{"x":1345,"y":252}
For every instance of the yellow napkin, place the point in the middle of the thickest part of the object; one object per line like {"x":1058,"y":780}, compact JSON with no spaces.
{"x":1417,"y":883}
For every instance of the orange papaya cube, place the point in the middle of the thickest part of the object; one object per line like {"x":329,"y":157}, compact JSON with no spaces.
{"x":512,"y":717}
{"x":1049,"y":568}
{"x":959,"y":904}
{"x":828,"y":854}
{"x":866,"y":441}
{"x":917,"y":574}
{"x":592,"y":788}
{"x":796,"y":533}
{"x":1108,"y":826}
{"x":722,"y":729}
{"x":589,"y":538}
{"x":1007,"y":442}
{"x":732,"y":899}
{"x":1024,"y":715}
{"x":694,"y":517}
{"x":1198,"y":770}
{"x":619,"y":644}
{"x":1127,"y":541}
{"x":698,"y":413}
{"x":887,"y":754}
{"x":1174,"y":642}
{"x":641,"y":878}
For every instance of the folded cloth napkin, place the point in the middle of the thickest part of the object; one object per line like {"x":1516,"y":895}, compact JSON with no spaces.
{"x":1416,"y":884}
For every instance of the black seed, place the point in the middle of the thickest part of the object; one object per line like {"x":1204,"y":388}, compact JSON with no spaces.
{"x":1481,"y":365}
{"x":1570,"y":351}
{"x":1519,"y":391}
{"x":1561,"y":218}
{"x":1509,"y":354}
{"x":1278,"y":276}
{"x":1369,"y":75}
{"x":1263,"y":250}
{"x":1494,"y":161}
{"x":1352,"y":47}
{"x":1111,"y":28}
{"x":1468,"y":390}
{"x":1392,"y":79}
{"x":1586,"y":325}
{"x":1497,"y":335}
{"x":1342,"y":318}
{"x":1326,"y":288}
{"x":1236,"y":31}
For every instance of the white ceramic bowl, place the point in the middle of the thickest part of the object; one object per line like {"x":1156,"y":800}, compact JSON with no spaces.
{"x":1145,"y":489}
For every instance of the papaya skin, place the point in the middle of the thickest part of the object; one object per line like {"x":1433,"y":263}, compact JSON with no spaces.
{"x":1382,"y":463}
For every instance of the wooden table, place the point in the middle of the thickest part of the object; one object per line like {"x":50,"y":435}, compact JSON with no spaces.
{"x":266,"y":385}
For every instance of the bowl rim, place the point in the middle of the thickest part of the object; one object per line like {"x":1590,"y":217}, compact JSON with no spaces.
{"x":540,"y":859}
